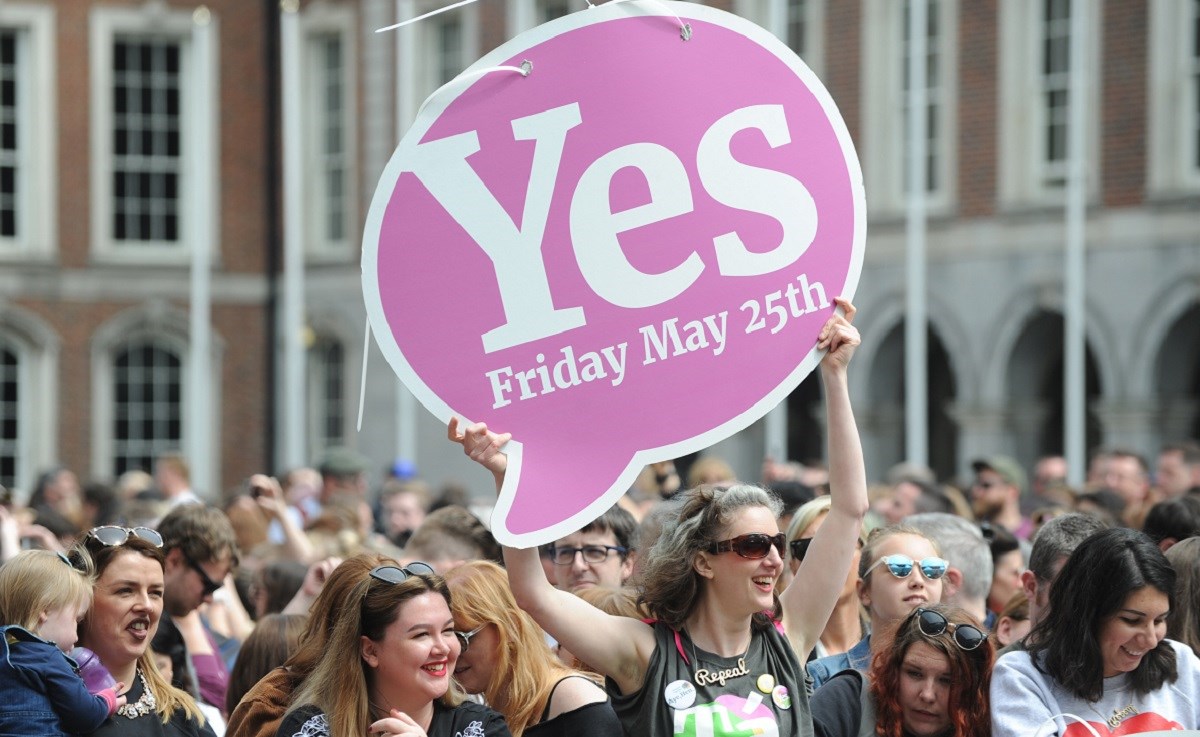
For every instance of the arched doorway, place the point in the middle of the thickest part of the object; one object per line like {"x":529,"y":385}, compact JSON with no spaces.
{"x":888,"y":376}
{"x":1035,"y":390}
{"x":1177,"y":377}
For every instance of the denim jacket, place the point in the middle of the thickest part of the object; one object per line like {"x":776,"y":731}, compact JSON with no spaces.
{"x":858,"y":658}
{"x":40,"y":692}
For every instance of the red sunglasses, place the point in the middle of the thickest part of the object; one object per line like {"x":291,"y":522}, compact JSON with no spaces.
{"x":753,"y":546}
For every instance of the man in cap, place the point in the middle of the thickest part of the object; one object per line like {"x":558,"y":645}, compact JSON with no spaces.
{"x":996,"y":494}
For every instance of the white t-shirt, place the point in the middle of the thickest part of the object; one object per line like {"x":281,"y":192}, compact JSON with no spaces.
{"x":1023,"y":698}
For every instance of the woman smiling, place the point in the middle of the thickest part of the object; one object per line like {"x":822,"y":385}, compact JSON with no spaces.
{"x":388,"y":665}
{"x":1100,"y":654}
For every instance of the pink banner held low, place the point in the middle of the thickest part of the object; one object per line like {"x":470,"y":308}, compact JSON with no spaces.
{"x":622,"y":257}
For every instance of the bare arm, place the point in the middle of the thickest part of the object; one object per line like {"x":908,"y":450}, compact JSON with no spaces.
{"x":619,"y":647}
{"x":809,"y":600}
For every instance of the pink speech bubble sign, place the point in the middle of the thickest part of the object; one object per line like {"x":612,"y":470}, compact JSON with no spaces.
{"x":623,"y":257}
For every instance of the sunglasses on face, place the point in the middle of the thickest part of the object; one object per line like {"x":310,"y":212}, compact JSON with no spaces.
{"x":933,"y":624}
{"x":396,"y":574}
{"x":753,"y":546}
{"x":900,"y":566}
{"x":210,"y":586}
{"x":464,"y":638}
{"x":112,"y":535}
{"x":799,"y":547}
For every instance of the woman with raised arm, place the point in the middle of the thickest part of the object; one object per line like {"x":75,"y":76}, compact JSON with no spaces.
{"x":714,"y":662}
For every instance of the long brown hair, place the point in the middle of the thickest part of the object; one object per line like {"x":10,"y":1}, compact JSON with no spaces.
{"x":339,"y":685}
{"x":970,"y":675}
{"x":526,"y":671}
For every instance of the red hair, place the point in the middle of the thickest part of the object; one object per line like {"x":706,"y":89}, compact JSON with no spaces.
{"x":970,"y":677}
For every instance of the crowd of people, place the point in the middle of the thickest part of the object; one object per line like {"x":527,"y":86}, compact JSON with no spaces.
{"x":810,"y":603}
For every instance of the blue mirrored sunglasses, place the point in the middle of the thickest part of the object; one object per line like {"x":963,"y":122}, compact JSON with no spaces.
{"x":900,"y":566}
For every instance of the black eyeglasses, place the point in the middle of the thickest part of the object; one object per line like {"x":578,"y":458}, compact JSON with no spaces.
{"x":111,"y":535}
{"x":396,"y":574}
{"x":932,"y":624}
{"x":210,"y":586}
{"x":753,"y":546}
{"x":464,"y":638}
{"x":591,"y":553}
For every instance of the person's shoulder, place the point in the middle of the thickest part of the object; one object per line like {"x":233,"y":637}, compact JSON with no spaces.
{"x":573,"y":692}
{"x":470,"y":719}
{"x":844,"y":685}
{"x":304,"y":721}
{"x":1186,"y":660}
{"x":1019,"y":660}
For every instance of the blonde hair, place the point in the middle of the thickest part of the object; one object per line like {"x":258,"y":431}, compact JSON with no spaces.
{"x":37,"y":582}
{"x":526,"y":671}
{"x":339,"y":684}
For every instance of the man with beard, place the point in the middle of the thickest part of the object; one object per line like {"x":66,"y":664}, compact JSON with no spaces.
{"x":996,"y":494}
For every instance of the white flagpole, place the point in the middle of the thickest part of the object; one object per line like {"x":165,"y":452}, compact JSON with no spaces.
{"x":1074,"y":376}
{"x":406,"y":403}
{"x":915,"y":368}
{"x":292,"y":324}
{"x":199,"y":426}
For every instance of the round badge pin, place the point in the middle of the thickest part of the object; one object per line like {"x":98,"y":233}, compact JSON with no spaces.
{"x":766,"y":682}
{"x":781,"y":697}
{"x":679,"y":694}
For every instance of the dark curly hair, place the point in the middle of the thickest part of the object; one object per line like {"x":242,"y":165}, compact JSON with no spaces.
{"x":970,"y":676}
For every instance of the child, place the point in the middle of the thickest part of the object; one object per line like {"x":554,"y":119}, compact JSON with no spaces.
{"x":42,"y":598}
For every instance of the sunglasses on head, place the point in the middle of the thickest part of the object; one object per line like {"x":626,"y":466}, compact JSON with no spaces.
{"x":464,"y":638}
{"x":111,"y":535}
{"x":396,"y":574}
{"x":753,"y":546}
{"x":900,"y":566}
{"x":933,"y":624}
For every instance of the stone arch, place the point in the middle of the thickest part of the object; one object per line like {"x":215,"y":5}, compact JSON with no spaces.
{"x":1034,"y":388}
{"x":887,"y":385}
{"x":37,"y":346}
{"x":1177,"y":377}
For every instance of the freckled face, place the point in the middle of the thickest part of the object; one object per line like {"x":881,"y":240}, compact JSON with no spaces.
{"x":125,"y":610}
{"x":925,"y":691}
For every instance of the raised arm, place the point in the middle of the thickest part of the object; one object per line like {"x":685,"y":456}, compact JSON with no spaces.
{"x":619,"y":647}
{"x":809,"y":599}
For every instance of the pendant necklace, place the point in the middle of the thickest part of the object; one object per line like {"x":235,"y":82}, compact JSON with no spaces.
{"x":704,"y":676}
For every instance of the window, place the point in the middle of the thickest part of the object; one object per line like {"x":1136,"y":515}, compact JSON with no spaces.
{"x":886,"y":153}
{"x":1055,"y":81}
{"x":1035,"y":44}
{"x":548,"y":10}
{"x":147,"y":394}
{"x":149,"y":119}
{"x":1174,"y":96}
{"x":434,"y":51}
{"x":147,"y":151}
{"x":329,"y":140}
{"x":10,"y":415}
{"x":10,"y":84}
{"x":798,"y":23}
{"x":27,"y":131}
{"x":327,"y":395}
